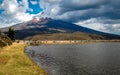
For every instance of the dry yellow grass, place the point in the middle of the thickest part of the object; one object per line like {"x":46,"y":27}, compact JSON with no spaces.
{"x":13,"y":61}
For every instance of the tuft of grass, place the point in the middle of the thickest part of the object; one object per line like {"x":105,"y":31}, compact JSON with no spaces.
{"x":13,"y":61}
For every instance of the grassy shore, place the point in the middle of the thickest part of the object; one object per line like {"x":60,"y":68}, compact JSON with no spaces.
{"x":52,"y":42}
{"x":13,"y":61}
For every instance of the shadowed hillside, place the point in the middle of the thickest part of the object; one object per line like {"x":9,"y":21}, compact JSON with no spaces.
{"x":4,"y":40}
{"x":66,"y":36}
{"x":53,"y":27}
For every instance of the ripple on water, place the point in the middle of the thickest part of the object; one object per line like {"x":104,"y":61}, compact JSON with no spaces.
{"x":88,"y":59}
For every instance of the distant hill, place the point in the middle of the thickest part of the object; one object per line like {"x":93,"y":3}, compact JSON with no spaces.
{"x":52,"y":27}
{"x":66,"y":36}
{"x":4,"y":40}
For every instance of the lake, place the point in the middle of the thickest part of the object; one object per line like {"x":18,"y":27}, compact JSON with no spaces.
{"x":82,"y":59}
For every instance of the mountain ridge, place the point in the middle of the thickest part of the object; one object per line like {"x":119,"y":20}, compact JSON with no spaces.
{"x":50,"y":26}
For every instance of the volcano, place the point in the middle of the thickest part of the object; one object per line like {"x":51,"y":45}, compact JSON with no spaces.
{"x":50,"y":26}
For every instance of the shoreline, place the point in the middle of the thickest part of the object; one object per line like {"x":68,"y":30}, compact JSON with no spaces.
{"x":14,"y":61}
{"x":52,"y":42}
{"x":49,"y":63}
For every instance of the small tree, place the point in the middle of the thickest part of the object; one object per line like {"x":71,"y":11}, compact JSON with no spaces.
{"x":0,"y":32}
{"x":11,"y":34}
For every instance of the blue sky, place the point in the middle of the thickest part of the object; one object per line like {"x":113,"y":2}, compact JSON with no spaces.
{"x":35,"y":7}
{"x":101,"y":15}
{"x":16,"y":11}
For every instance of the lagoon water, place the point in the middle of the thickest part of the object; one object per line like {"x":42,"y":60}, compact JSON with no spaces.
{"x":85,"y":59}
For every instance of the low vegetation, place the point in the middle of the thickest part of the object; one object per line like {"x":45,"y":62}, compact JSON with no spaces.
{"x":66,"y":36}
{"x":4,"y":41}
{"x":13,"y":61}
{"x":8,"y":38}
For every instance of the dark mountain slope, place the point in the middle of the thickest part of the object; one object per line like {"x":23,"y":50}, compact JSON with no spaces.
{"x":50,"y":26}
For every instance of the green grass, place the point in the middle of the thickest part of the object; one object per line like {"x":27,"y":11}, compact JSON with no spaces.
{"x":13,"y":61}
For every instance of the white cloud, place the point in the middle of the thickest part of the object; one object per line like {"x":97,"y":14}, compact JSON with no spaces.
{"x":99,"y":25}
{"x":23,"y":17}
{"x":12,"y":8}
{"x":33,"y":2}
{"x":14,"y":13}
{"x":102,"y":15}
{"x":93,"y":24}
{"x":30,"y":9}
